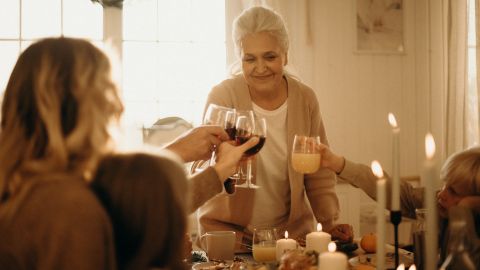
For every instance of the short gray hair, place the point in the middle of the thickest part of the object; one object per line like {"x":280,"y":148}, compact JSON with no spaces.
{"x":259,"y":19}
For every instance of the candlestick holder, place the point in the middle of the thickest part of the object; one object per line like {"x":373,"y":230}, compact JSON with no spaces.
{"x":395,"y":219}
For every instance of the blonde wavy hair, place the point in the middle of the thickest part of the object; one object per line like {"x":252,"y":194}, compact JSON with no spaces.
{"x":462,"y":169}
{"x":56,"y":111}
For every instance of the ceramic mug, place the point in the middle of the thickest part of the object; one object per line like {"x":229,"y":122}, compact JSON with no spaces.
{"x":219,"y":245}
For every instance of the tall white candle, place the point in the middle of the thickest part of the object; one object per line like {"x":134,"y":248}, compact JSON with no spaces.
{"x":332,"y":260}
{"x":381,"y":202}
{"x":430,"y":203}
{"x":396,"y":163}
{"x":318,"y":240}
{"x":284,"y":245}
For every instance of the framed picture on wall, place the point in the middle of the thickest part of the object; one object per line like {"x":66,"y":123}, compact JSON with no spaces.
{"x":379,"y":26}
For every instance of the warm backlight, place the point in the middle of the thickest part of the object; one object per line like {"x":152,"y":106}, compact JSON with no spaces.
{"x":332,"y":247}
{"x":392,"y":120}
{"x":377,"y":169}
{"x":429,"y":146}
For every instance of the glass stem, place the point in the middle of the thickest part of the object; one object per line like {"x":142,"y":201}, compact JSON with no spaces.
{"x":249,"y":172}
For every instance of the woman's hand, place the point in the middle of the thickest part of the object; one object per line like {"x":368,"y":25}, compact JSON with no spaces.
{"x":228,"y":155}
{"x":472,"y":202}
{"x":331,"y":160}
{"x":198,"y":143}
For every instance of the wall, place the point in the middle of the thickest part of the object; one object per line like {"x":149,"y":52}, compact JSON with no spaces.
{"x":356,"y":91}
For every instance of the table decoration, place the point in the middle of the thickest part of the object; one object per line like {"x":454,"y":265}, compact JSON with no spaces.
{"x":332,"y":260}
{"x":395,"y":212}
{"x":381,"y":202}
{"x":284,"y":245}
{"x":318,"y":240}
{"x":430,"y":177}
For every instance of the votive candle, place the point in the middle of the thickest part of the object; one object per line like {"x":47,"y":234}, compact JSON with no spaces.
{"x":284,"y":245}
{"x":318,"y":240}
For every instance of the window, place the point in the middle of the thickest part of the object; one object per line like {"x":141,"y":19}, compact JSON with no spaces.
{"x":23,"y":21}
{"x":173,"y":50}
{"x":173,"y":53}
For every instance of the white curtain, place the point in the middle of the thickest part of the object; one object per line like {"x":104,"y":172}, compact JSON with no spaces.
{"x":462,"y":102}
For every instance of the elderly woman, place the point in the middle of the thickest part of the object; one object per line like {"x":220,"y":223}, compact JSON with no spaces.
{"x":289,"y":107}
{"x":461,"y":177}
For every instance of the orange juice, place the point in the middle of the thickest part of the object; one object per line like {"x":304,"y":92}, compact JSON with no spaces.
{"x":306,"y":163}
{"x":264,"y":253}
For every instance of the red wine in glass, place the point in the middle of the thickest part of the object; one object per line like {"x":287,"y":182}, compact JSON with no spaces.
{"x":231,"y":131}
{"x":255,"y":149}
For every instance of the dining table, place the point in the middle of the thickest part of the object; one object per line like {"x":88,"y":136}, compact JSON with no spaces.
{"x":357,"y":259}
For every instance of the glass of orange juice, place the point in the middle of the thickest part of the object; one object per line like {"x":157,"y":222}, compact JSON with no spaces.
{"x":264,"y":243}
{"x":305,"y":154}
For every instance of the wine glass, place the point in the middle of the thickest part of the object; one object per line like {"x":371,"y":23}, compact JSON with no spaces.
{"x":218,"y":116}
{"x":305,"y":154}
{"x":245,"y":129}
{"x":221,"y":116}
{"x":264,"y":243}
{"x":245,"y":116}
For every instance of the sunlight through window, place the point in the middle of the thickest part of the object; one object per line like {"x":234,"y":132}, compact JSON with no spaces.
{"x":173,"y":53}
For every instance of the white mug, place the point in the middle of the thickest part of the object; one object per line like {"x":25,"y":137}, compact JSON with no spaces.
{"x":219,"y":245}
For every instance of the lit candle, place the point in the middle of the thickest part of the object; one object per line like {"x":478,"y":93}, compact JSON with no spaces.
{"x":318,"y":240}
{"x":332,"y":260}
{"x":284,"y":245}
{"x":381,"y":202}
{"x":430,"y":203}
{"x":400,"y":267}
{"x":396,"y":163}
{"x":412,"y":267}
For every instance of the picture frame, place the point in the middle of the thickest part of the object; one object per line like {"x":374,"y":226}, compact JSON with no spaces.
{"x":379,"y":26}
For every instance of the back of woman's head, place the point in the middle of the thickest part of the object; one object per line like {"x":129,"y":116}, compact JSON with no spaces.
{"x":259,"y":19}
{"x":56,"y":109}
{"x":463,"y":170}
{"x":145,"y":198}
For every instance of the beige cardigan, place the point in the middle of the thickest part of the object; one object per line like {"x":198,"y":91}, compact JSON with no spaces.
{"x":225,"y":212}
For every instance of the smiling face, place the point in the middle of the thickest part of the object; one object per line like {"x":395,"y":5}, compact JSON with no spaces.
{"x":263,"y":60}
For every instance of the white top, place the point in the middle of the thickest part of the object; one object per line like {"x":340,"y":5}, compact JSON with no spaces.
{"x":272,"y":199}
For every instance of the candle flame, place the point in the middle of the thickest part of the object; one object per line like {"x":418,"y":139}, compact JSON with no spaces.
{"x":401,"y":267}
{"x":429,"y":146}
{"x":412,"y":267}
{"x":377,"y":169}
{"x":319,"y":227}
{"x":332,"y":247}
{"x":286,"y":234}
{"x":392,"y":120}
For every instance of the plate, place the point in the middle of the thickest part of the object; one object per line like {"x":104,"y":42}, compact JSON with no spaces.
{"x":370,"y":259}
{"x":211,"y":265}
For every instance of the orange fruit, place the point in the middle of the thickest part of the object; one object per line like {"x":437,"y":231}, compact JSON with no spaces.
{"x":369,"y":243}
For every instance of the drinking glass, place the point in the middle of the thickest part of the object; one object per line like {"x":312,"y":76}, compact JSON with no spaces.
{"x":223,"y":117}
{"x":418,"y":236}
{"x":264,"y":242}
{"x":305,"y":154}
{"x":245,"y":129}
{"x":246,"y":118}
